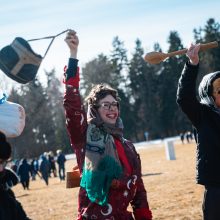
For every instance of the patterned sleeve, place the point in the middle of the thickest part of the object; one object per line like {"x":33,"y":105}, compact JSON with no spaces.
{"x":76,"y":121}
{"x":139,"y":203}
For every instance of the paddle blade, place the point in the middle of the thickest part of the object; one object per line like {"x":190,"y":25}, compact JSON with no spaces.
{"x":154,"y":57}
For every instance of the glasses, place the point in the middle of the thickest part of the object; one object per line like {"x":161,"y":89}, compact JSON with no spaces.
{"x":108,"y":105}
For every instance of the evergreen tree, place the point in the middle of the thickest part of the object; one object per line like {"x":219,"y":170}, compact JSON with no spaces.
{"x":59,"y":136}
{"x":98,"y":70}
{"x":119,"y":62}
{"x":171,"y":117}
{"x":34,"y":137}
{"x":210,"y":58}
{"x":143,"y":93}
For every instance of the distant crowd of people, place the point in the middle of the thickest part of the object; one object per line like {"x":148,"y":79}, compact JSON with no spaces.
{"x":44,"y":167}
{"x":21,"y":171}
{"x":186,"y":136}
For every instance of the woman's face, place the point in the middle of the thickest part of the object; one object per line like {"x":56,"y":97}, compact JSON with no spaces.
{"x":108,"y":109}
{"x":216,"y":92}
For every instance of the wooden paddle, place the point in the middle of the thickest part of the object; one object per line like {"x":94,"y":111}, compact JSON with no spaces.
{"x":157,"y":57}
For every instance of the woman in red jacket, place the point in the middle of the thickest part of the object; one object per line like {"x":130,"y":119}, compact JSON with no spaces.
{"x":109,"y":165}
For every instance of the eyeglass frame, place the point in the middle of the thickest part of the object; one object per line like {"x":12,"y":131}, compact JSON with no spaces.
{"x":115,"y":105}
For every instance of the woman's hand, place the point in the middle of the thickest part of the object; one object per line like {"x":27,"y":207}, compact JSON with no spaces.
{"x":72,"y":42}
{"x":193,"y":54}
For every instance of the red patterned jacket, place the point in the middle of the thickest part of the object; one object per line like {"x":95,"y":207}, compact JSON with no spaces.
{"x":129,"y":190}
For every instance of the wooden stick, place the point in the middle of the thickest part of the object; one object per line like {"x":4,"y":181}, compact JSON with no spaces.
{"x":157,"y":57}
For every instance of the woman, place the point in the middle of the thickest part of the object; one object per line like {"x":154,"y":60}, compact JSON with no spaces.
{"x":109,"y":164}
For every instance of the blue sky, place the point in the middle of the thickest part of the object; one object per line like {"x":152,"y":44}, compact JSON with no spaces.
{"x":97,"y":22}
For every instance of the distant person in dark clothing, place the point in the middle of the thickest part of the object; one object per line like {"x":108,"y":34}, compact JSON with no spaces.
{"x":61,"y":164}
{"x":52,"y":164}
{"x":33,"y":173}
{"x":35,"y":168}
{"x":24,"y":172}
{"x":10,"y":208}
{"x":205,"y":117}
{"x":44,"y":169}
{"x":188,"y":137}
{"x":182,"y":137}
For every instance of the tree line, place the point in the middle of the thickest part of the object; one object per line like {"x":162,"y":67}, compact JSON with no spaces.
{"x":147,"y":92}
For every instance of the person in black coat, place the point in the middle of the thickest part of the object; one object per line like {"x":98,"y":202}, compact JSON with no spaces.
{"x":24,"y":172}
{"x":52,"y":164}
{"x":44,"y":169}
{"x":61,"y":159}
{"x":10,"y":208}
{"x":205,"y":117}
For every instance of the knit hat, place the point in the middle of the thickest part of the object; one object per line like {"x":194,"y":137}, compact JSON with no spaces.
{"x":19,"y":62}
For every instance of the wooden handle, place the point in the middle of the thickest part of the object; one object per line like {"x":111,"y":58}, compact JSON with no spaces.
{"x":178,"y":52}
{"x":157,"y":57}
{"x":209,"y":45}
{"x":202,"y":48}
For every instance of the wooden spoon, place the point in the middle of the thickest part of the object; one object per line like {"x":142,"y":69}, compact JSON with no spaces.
{"x":157,"y":57}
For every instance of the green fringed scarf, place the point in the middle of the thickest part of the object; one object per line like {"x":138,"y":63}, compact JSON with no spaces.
{"x":102,"y":163}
